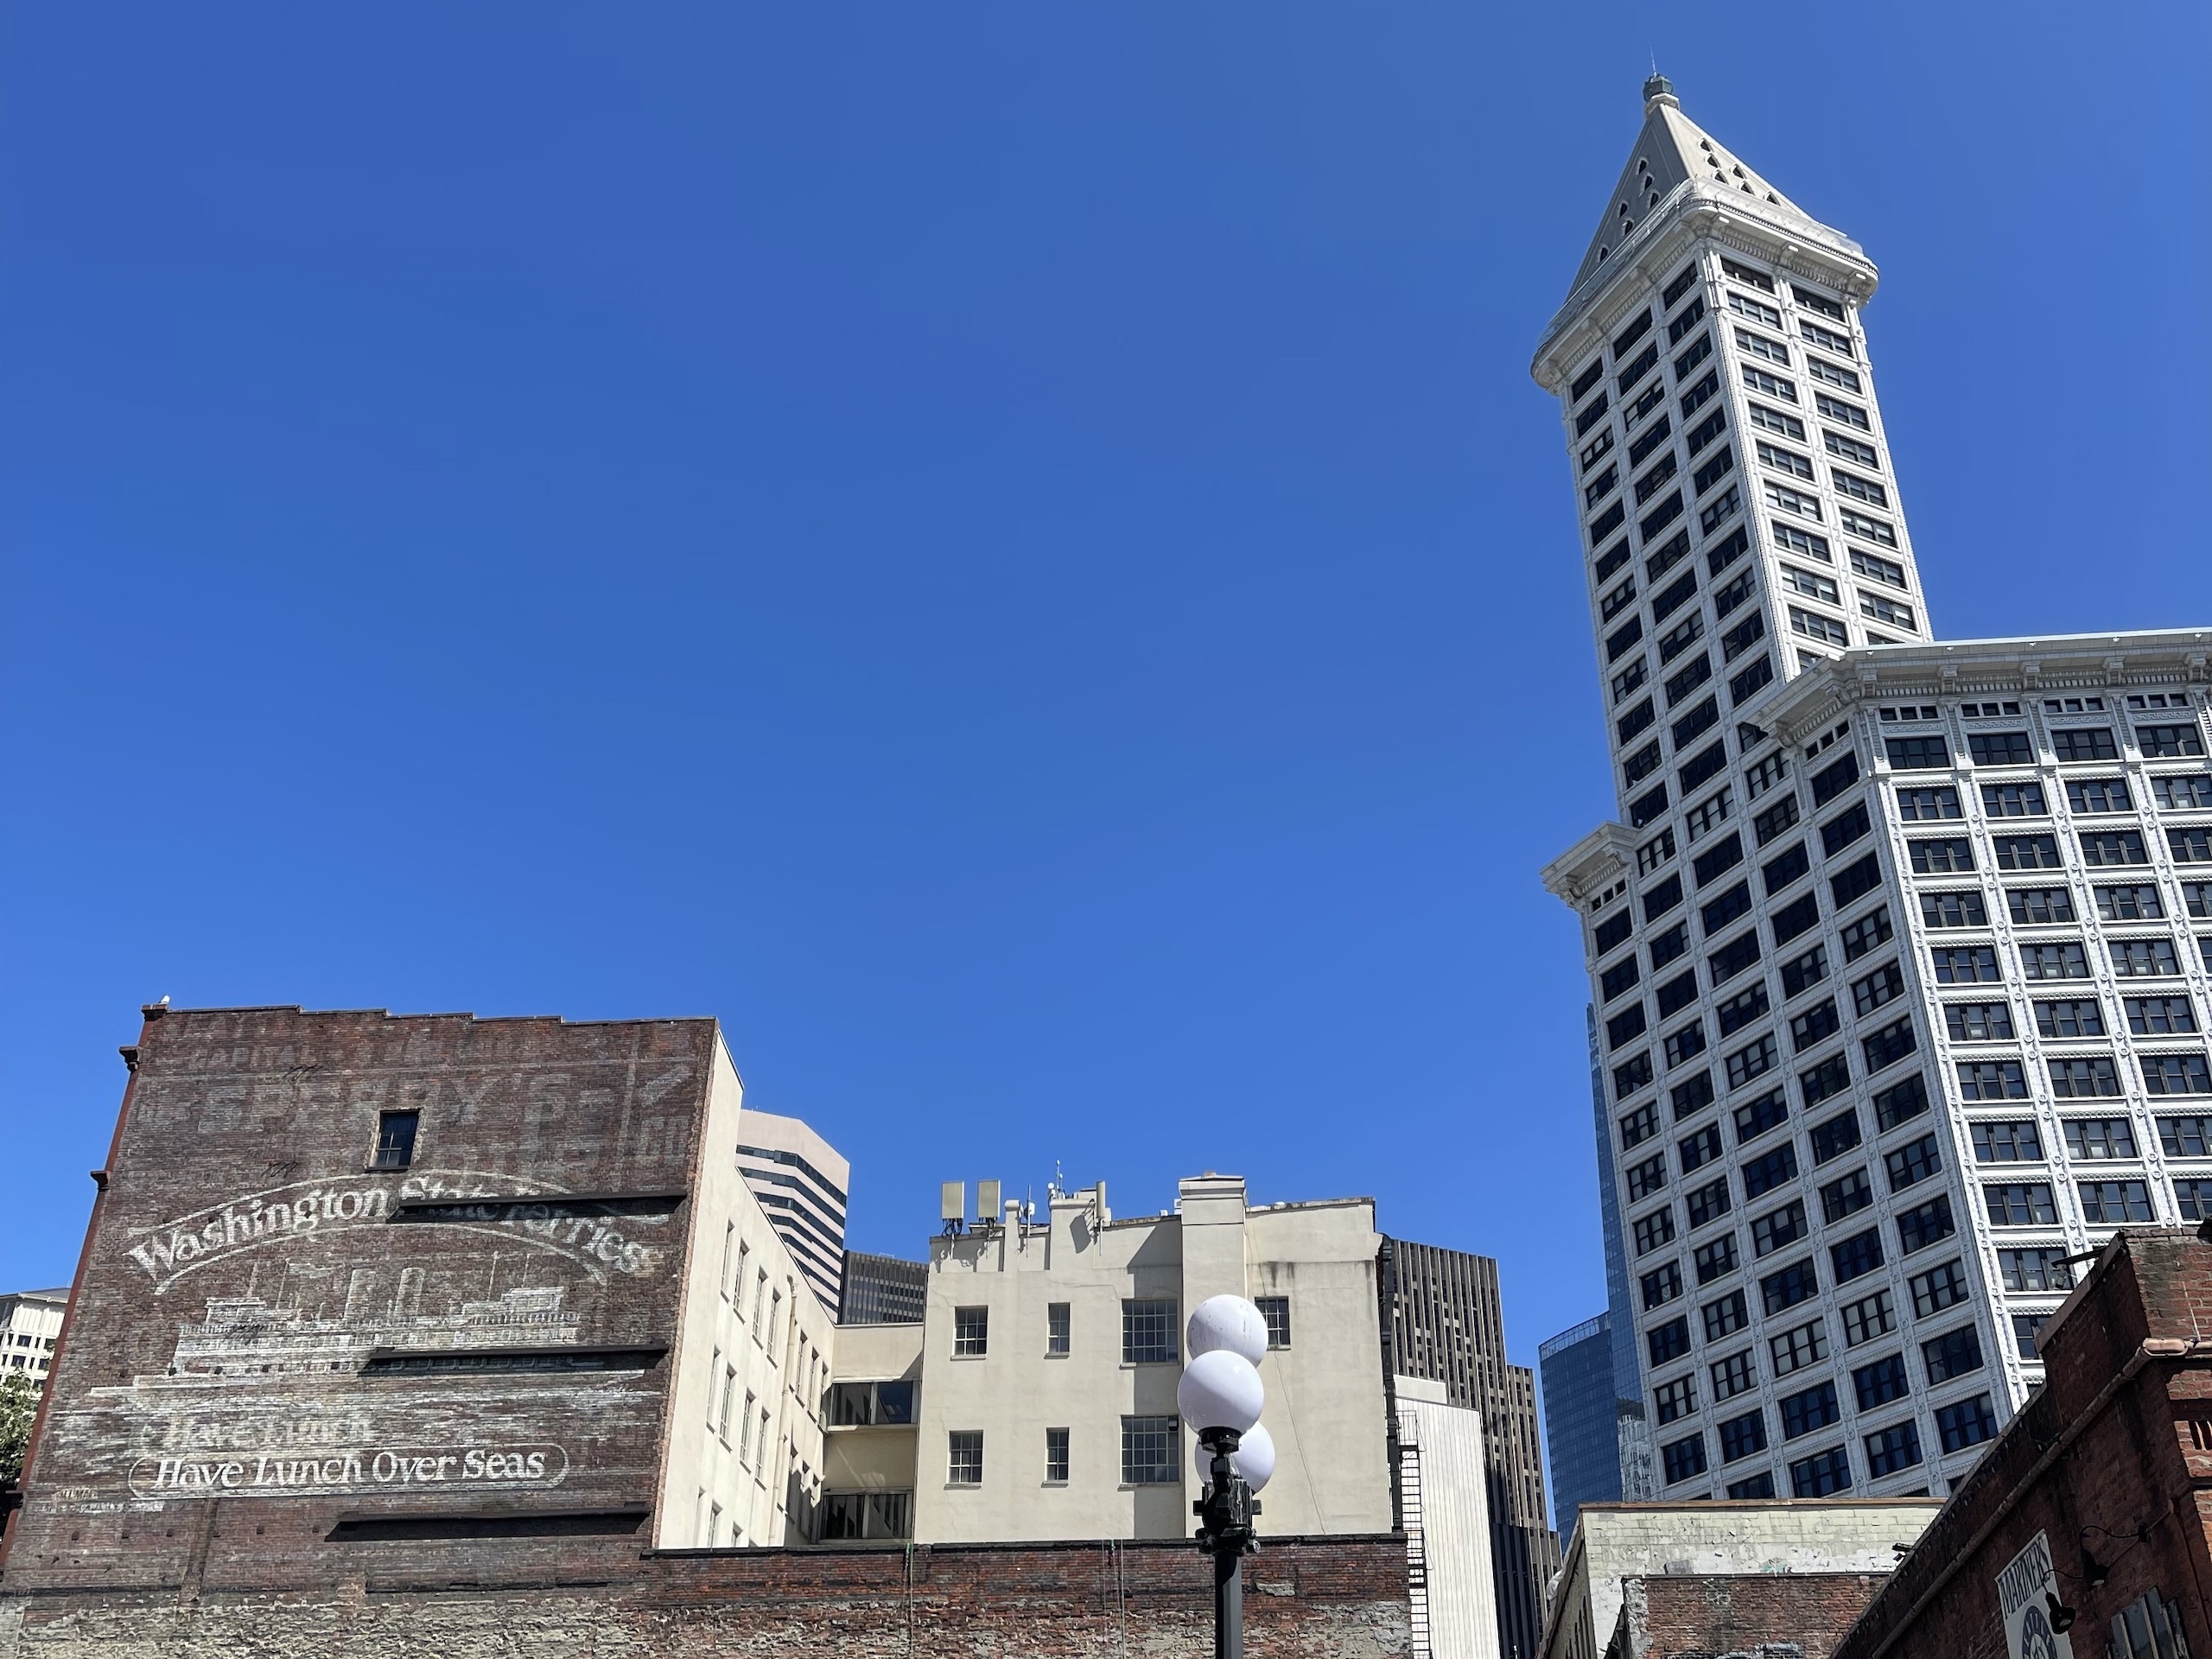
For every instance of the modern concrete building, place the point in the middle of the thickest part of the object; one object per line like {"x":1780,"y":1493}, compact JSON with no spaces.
{"x":1447,"y":1325}
{"x":882,"y":1290}
{"x":1899,"y":997}
{"x":801,"y":1181}
{"x":30,"y":1320}
{"x":1624,"y":1541}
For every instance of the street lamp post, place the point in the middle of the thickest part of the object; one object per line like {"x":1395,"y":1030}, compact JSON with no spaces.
{"x":1222,"y":1393}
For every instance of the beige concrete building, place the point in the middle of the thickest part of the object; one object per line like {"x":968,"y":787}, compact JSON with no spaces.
{"x":29,"y":1322}
{"x":1616,"y":1542}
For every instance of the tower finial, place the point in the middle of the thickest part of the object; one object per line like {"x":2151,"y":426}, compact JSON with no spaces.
{"x":1659,"y":90}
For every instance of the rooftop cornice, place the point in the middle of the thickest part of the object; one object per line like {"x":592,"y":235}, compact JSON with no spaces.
{"x":1596,"y":861}
{"x":2024,"y":665}
{"x":1694,"y":209}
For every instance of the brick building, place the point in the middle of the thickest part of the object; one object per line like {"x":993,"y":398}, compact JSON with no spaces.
{"x":1756,"y":1616}
{"x":2091,"y":1518}
{"x":359,"y":1288}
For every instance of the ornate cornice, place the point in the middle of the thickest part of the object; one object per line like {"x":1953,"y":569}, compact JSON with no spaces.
{"x":1593,"y":864}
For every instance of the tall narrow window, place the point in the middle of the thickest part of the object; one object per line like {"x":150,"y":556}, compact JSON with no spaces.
{"x":1056,"y":1456}
{"x":396,"y":1140}
{"x":1058,"y":1331}
{"x":964,"y":1461}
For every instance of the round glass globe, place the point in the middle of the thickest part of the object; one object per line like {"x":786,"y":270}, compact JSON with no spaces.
{"x":1254,"y":1459}
{"x":1230,"y":1322}
{"x":1220,"y":1389}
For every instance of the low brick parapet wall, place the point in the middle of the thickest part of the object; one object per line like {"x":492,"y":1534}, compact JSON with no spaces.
{"x":1318,"y":1598}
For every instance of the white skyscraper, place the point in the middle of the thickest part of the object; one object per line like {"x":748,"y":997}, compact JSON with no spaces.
{"x":1899,"y":1000}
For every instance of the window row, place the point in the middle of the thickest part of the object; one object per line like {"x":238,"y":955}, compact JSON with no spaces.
{"x":1959,"y":1426}
{"x":2071,"y":1017}
{"x":1151,"y":1454}
{"x":2042,"y":960}
{"x":1932,"y":753}
{"x":1148,"y":1329}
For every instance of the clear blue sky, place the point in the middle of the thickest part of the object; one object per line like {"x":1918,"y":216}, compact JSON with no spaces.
{"x":1007,"y":551}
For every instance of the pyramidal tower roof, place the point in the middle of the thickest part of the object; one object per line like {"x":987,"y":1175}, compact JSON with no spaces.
{"x":1671,"y":149}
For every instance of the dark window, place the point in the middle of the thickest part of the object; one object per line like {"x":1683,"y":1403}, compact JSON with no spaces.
{"x":1920,"y":803}
{"x":1692,"y":1095}
{"x":1734,"y":957}
{"x":1955,"y":1353}
{"x":1807,"y":1412}
{"x":1876,"y":1384}
{"x":1913,"y":1162}
{"x":2076,"y":1018}
{"x":1959,"y":908}
{"x":1654,"y":1229}
{"x":1839,"y":831}
{"x":1847,"y":1195}
{"x":1948,"y":857}
{"x":1858,"y":1254}
{"x":1736,"y":902}
{"x":2027,"y":852}
{"x":1611,"y":932}
{"x":1822,"y":1476}
{"x":1745,"y":1007}
{"x":1890,"y":1450}
{"x":1684,"y":1459}
{"x":1697,"y":1150}
{"x":1776,"y":819}
{"x":2019,"y":1203}
{"x":1669,"y":1342}
{"x":1792,"y":1285}
{"x":1639,"y":367}
{"x":1588,"y":378}
{"x":1676,"y":1399}
{"x":1725,"y":1315}
{"x":2007,"y":1141}
{"x":1973,"y":964}
{"x":1968,"y":1423}
{"x":1999,"y":748}
{"x":1831,"y":1076}
{"x":1741,"y":1437}
{"x":1676,"y":993}
{"x":2039,"y":906}
{"x":1666,"y":603}
{"x":1665,"y":947}
{"x":1925,"y":1224}
{"x":1683,"y":1043}
{"x":1891,"y":1044}
{"x":2085,"y":743}
{"x":2112,"y":1204}
{"x":2014,"y":801}
{"x":1764,"y":1174}
{"x":1779,"y":872}
{"x":2176,"y":1074}
{"x":1722,"y":854}
{"x":2099,"y":795}
{"x":1805,"y":972}
{"x":1617,"y":978}
{"x":1639,"y":1126}
{"x":1686,"y":679}
{"x":1151,"y":1451}
{"x":1758,"y":1485}
{"x":1708,"y":1202}
{"x":1833,"y":780}
{"x":1885,"y":984}
{"x":1716,"y":1258}
{"x":1740,"y":639}
{"x":1929,"y":753}
{"x":2039,"y":1269}
{"x":395,"y":1147}
{"x":2168,"y":742}
{"x":2114,"y":847}
{"x":1618,"y":642}
{"x":1837,"y":1135}
{"x":1148,"y":1330}
{"x":1795,"y":918}
{"x":1946,"y":1286}
{"x":1625,"y":1026}
{"x":1854,"y":881}
{"x":1816,"y":1024}
{"x":1751,"y":1060}
{"x":1673,"y":291}
{"x":1769,"y":1232}
{"x":2086,"y":1078}
{"x":2190,"y":846}
{"x":1662,"y":896}
{"x":1755,"y":1117}
{"x":1634,"y":332}
{"x":1900,"y":1101}
{"x":1702,"y":765}
{"x":1276,"y":1310}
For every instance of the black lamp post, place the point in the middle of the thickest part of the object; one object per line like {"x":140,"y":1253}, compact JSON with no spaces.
{"x":1225,"y":1533}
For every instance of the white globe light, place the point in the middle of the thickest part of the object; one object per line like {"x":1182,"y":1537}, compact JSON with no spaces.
{"x":1230,"y":1322}
{"x":1255,"y":1458}
{"x":1220,"y":1390}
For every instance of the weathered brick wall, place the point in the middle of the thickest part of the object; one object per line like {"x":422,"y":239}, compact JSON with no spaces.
{"x":1696,"y":1616}
{"x":209,"y":1419}
{"x":1339,"y":1598}
{"x":2141,"y":1460}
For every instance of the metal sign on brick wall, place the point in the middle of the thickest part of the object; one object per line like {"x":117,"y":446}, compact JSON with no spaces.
{"x":2027,"y":1591}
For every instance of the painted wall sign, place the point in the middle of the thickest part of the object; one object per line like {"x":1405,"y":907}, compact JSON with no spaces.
{"x":278,"y":1220}
{"x":2022,"y":1589}
{"x":353,"y":1471}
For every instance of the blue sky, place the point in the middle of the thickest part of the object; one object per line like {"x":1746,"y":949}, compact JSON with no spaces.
{"x":1009,"y":553}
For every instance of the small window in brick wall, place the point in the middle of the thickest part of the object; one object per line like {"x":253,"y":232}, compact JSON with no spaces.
{"x":396,"y":1140}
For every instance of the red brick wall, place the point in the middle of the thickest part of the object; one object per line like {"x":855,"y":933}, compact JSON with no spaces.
{"x":2142,"y":1461}
{"x":1692,"y":1617}
{"x":240,"y":1229}
{"x":1337,"y":1597}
